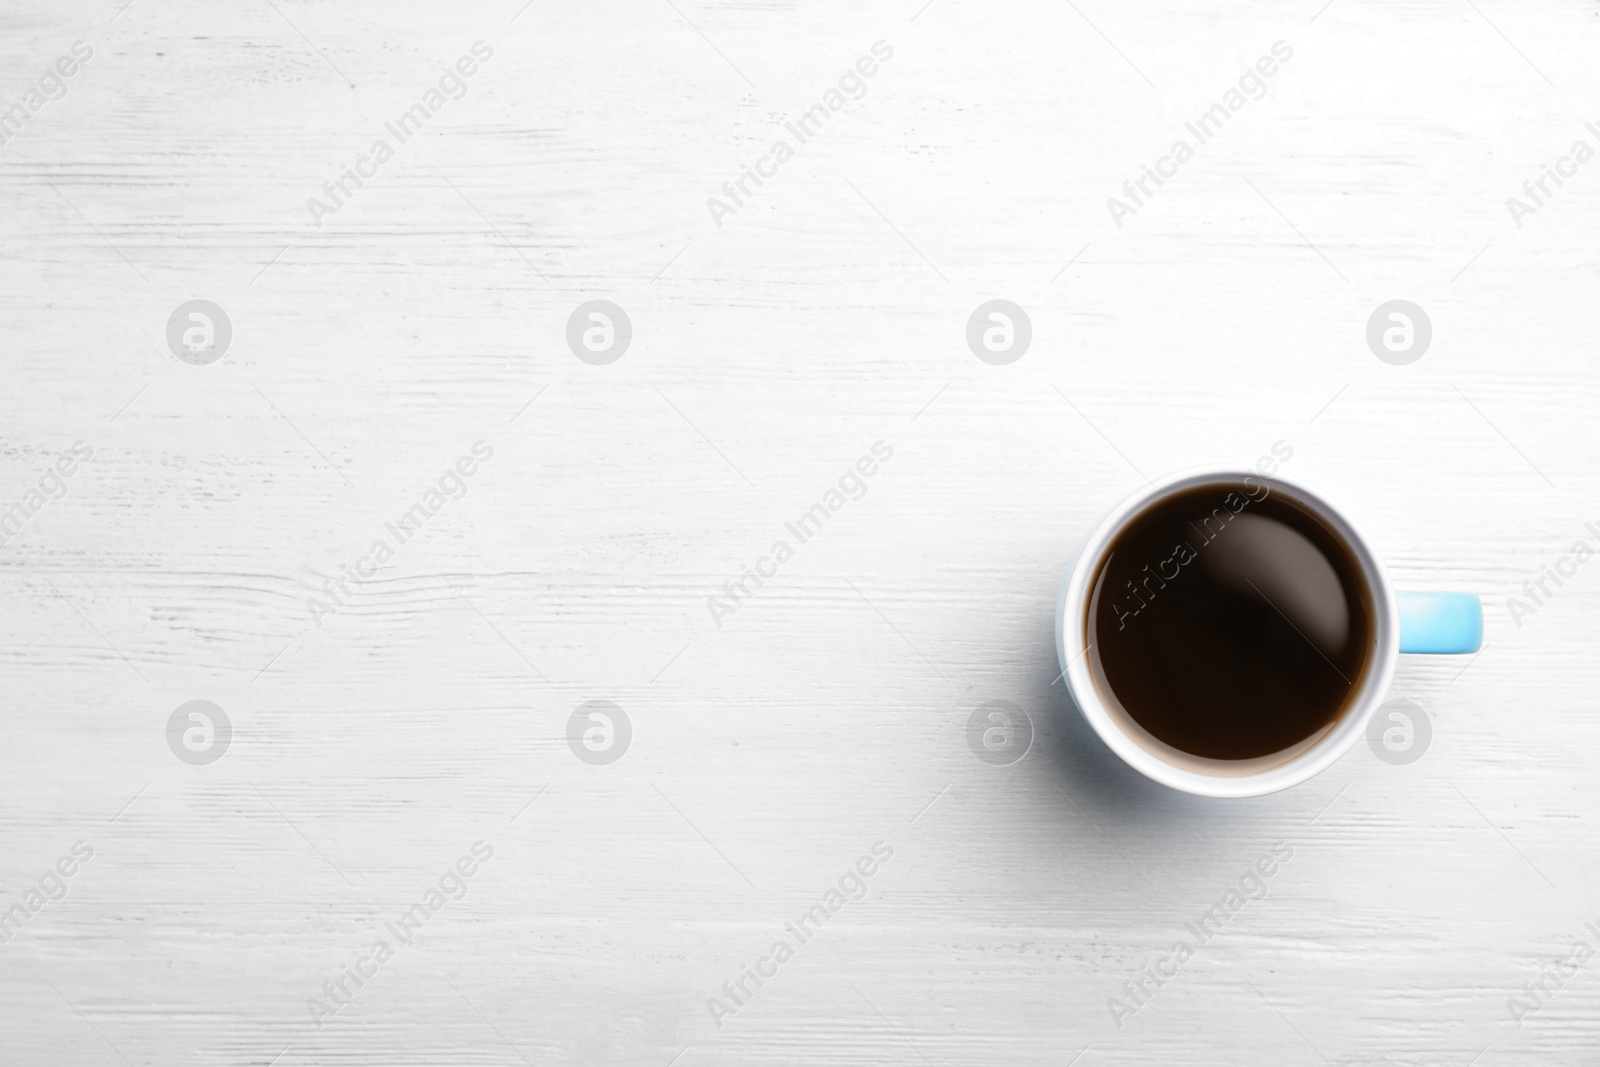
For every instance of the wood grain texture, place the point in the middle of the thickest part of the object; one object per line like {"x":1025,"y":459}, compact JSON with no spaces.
{"x":830,"y":711}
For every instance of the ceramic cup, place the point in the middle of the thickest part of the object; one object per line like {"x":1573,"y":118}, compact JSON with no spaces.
{"x":1440,"y":623}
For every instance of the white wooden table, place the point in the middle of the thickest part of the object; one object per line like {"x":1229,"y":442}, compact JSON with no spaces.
{"x":379,"y":731}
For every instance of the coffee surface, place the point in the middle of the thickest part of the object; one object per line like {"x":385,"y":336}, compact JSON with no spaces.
{"x":1230,"y":622}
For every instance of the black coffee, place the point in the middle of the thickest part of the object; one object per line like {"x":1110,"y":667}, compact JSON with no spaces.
{"x":1230,"y":622}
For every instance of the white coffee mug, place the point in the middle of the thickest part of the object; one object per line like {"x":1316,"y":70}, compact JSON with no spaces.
{"x":1449,"y":623}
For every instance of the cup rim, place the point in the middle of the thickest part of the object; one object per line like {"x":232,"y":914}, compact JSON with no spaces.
{"x":1072,"y":642}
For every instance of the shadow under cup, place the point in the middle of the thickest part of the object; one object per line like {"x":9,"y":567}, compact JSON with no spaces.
{"x":1231,"y":627}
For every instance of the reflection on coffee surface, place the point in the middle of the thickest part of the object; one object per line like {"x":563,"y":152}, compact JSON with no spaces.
{"x":1230,"y":622}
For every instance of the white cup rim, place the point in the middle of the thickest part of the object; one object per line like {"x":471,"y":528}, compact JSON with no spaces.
{"x":1072,"y":643}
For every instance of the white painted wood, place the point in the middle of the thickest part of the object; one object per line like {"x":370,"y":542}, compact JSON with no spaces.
{"x":829,"y":712}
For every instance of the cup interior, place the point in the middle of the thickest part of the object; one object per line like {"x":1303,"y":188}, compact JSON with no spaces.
{"x":1183,"y":770}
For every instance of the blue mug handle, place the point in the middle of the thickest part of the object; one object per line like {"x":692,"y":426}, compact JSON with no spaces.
{"x":1440,"y":623}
